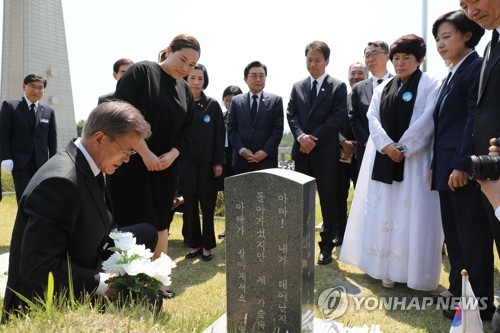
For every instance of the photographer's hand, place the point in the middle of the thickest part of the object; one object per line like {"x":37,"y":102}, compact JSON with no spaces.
{"x":494,"y":148}
{"x":491,"y":188}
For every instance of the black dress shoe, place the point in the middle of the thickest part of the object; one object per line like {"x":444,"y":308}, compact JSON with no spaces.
{"x":222,"y":235}
{"x":167,"y":294}
{"x":207,"y":258}
{"x":192,"y":255}
{"x":325,"y":257}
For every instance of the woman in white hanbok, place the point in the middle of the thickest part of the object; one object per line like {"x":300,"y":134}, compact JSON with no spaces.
{"x":394,"y":230}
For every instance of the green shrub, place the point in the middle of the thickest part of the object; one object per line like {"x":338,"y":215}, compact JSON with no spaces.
{"x":7,"y":182}
{"x":219,"y":205}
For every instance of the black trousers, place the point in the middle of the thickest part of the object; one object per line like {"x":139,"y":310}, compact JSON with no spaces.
{"x":468,"y":240}
{"x":326,"y":183}
{"x":21,"y":178}
{"x":346,"y":173}
{"x":144,"y":233}
{"x":191,"y":218}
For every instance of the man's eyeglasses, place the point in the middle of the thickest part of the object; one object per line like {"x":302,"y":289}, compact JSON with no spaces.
{"x":257,"y":76}
{"x":373,"y":54}
{"x":126,"y":152}
{"x":34,"y":87}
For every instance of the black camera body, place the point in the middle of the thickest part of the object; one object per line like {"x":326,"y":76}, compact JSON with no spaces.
{"x":484,"y":166}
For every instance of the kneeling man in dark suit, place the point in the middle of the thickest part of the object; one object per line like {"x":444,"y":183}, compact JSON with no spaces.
{"x":65,"y":214}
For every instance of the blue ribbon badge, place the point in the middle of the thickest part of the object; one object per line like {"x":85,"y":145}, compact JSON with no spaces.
{"x":407,"y":96}
{"x":206,"y":118}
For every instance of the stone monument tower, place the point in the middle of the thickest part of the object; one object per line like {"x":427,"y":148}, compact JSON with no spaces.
{"x":34,"y":41}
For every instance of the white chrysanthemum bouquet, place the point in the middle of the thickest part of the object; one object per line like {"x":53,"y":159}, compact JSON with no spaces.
{"x":131,"y":267}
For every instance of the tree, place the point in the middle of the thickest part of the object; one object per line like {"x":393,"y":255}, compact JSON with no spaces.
{"x":79,"y":127}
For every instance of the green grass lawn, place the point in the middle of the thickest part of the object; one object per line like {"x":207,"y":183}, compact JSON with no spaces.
{"x":201,"y":290}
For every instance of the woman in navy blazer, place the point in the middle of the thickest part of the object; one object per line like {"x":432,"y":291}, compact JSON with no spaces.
{"x":465,"y":225}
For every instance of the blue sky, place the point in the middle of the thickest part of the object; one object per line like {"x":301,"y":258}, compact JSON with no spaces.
{"x":234,"y":33}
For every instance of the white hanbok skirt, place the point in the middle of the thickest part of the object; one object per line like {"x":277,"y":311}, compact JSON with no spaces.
{"x":394,"y":231}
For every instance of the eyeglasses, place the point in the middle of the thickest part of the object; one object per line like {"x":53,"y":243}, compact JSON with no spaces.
{"x":33,"y":87}
{"x":257,"y":76}
{"x":127,"y":153}
{"x":373,"y":54}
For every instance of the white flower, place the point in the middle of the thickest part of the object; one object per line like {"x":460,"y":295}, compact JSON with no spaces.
{"x":161,"y":269}
{"x":140,"y":250}
{"x":131,"y":259}
{"x":136,"y":266}
{"x":110,"y":266}
{"x":123,"y":240}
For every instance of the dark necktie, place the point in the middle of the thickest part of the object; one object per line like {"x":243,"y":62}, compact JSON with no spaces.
{"x":494,"y":40}
{"x":253,"y":110}
{"x":32,"y":114}
{"x":105,"y":198}
{"x":313,"y":92}
{"x":379,"y":81}
{"x":100,"y":182}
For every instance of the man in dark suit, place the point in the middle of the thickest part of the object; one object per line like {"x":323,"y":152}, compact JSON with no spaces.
{"x":348,"y":167}
{"x":376,"y":56}
{"x":27,"y":133}
{"x":255,"y":123}
{"x":486,"y":122}
{"x":119,"y":68}
{"x":63,"y":214}
{"x":486,"y":13}
{"x":317,"y":107}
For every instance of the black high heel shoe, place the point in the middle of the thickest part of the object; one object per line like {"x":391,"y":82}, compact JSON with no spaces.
{"x":207,"y":258}
{"x":192,"y":255}
{"x":167,"y":294}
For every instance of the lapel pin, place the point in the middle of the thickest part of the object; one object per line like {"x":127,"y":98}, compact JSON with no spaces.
{"x":407,"y":96}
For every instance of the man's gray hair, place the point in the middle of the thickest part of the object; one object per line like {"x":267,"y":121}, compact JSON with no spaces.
{"x":116,"y":119}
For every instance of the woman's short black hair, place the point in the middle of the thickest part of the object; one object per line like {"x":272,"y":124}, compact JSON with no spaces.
{"x":409,"y":44}
{"x":205,"y":74}
{"x":231,"y":91}
{"x":463,"y":24}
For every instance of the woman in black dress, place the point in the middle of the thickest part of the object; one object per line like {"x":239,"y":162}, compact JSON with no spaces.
{"x":143,"y":189}
{"x":201,"y":167}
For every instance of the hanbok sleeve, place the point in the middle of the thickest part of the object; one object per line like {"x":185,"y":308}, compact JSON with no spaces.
{"x":419,"y":133}
{"x":377,"y":132}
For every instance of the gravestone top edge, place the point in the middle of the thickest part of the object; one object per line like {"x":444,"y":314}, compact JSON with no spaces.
{"x":295,"y":176}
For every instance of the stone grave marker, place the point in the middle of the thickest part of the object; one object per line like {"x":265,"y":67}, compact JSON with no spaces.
{"x":270,"y":251}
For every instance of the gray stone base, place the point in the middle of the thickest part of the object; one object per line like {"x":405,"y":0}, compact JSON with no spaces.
{"x":320,"y":326}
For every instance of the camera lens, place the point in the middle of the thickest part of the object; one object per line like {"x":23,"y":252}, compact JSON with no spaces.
{"x":484,"y":167}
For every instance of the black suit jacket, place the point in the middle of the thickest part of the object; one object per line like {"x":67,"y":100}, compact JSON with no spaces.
{"x":322,"y":120}
{"x":487,"y":120}
{"x":22,"y":139}
{"x":345,"y":126}
{"x":361,"y":97}
{"x":62,"y":214}
{"x":204,"y":149}
{"x":106,"y":98}
{"x":453,"y":121}
{"x":263,"y":134}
